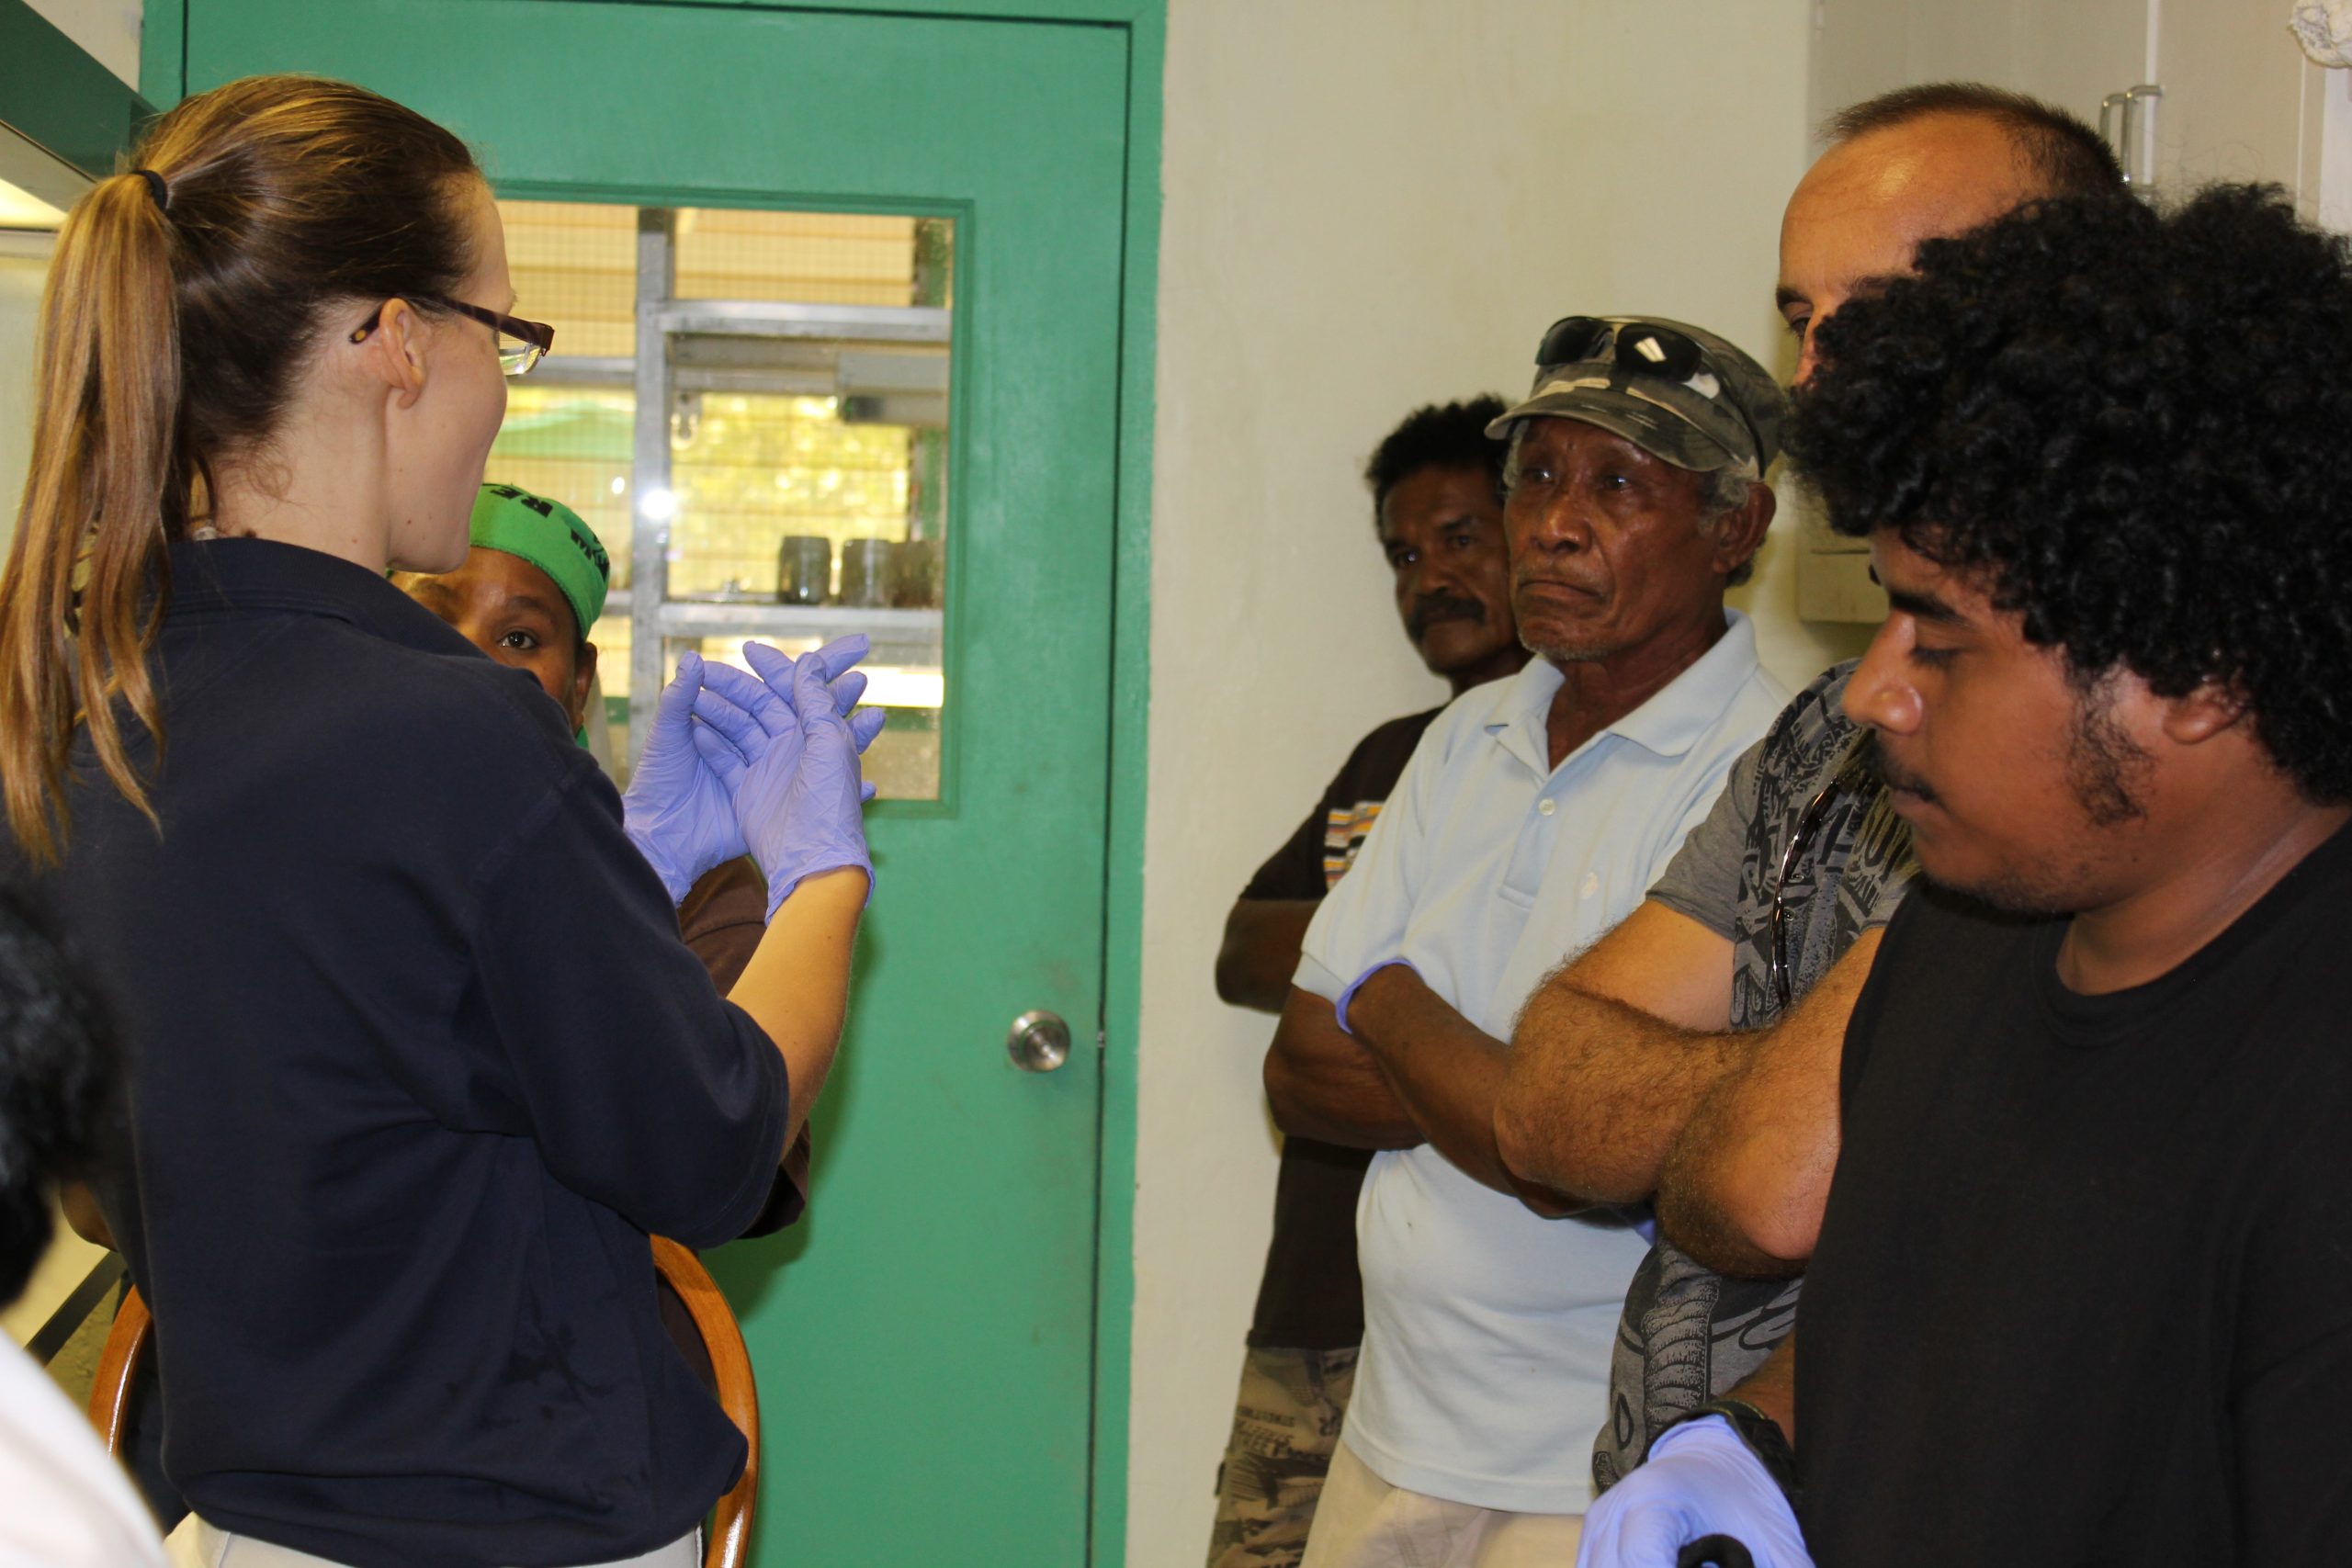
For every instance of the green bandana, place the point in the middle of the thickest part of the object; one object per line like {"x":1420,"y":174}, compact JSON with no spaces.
{"x":551,"y":536}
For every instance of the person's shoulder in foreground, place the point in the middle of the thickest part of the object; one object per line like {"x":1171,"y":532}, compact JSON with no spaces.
{"x":64,"y":1501}
{"x":380,"y":691}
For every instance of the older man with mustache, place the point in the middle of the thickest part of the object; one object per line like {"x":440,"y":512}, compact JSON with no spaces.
{"x":1534,"y":814}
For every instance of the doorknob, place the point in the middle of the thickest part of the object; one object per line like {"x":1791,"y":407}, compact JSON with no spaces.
{"x":1038,"y":1042}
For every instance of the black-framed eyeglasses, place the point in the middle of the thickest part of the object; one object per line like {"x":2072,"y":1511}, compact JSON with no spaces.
{"x":1854,"y":772}
{"x":1640,"y":346}
{"x":521,"y":344}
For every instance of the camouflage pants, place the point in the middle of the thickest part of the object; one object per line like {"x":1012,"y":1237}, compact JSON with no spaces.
{"x":1285,"y":1430}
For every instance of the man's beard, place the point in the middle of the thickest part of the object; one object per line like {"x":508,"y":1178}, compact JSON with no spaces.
{"x":2104,"y":769}
{"x":2103,"y":762}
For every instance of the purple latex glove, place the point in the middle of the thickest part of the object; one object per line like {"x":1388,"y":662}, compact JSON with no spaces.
{"x":678,"y":811}
{"x":809,"y":817}
{"x":1339,"y":1007}
{"x":1699,"y":1480}
{"x":766,"y":694}
{"x":743,"y":715}
{"x":799,"y":799}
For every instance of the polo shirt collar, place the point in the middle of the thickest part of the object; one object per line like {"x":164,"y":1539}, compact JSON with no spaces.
{"x":230,"y":577}
{"x":1668,"y":725}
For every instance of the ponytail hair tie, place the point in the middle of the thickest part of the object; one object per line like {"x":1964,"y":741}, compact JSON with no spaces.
{"x":157,"y":189}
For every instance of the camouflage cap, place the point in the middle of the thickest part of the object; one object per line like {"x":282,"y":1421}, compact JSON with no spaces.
{"x":1676,"y":391}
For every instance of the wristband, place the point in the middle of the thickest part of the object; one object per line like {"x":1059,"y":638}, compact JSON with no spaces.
{"x":1339,"y":1007}
{"x":1760,"y":1433}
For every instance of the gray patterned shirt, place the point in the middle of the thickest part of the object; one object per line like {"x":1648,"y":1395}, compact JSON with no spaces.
{"x":1688,"y":1333}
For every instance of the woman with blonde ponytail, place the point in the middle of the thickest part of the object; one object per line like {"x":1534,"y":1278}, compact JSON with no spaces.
{"x":416,"y":1057}
{"x":110,"y":364}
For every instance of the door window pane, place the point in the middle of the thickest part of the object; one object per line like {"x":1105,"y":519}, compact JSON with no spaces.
{"x":790,"y":483}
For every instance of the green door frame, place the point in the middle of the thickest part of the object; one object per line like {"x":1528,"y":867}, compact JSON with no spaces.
{"x":1144,"y":23}
{"x":56,"y":94}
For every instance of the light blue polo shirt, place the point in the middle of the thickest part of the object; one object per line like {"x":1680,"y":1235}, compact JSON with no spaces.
{"x":1488,"y":1329}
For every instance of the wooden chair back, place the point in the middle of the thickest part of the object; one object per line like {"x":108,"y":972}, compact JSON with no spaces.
{"x":729,"y":1544}
{"x":110,"y":1395}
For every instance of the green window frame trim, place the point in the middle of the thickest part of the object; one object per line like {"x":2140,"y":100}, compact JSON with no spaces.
{"x":55,"y":94}
{"x":164,"y":76}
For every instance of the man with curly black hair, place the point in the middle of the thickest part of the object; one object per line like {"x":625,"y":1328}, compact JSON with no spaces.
{"x":2080,"y":1294}
{"x":1437,"y":508}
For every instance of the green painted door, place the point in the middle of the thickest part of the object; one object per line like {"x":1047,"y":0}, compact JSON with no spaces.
{"x":924,"y":1338}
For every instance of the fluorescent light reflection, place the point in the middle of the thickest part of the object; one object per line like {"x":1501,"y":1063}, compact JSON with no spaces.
{"x":20,"y":208}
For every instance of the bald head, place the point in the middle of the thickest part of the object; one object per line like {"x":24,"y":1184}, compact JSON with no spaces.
{"x":1861,"y":211}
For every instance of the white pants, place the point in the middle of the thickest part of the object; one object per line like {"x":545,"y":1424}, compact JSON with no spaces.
{"x":1364,"y":1522}
{"x":195,"y":1544}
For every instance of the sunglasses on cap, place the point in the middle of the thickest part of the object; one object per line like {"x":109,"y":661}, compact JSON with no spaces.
{"x":1640,"y":346}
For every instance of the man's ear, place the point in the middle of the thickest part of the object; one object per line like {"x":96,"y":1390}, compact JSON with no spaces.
{"x":393,"y":351}
{"x":2211,"y":709}
{"x":1740,"y":533}
{"x":583,"y":677}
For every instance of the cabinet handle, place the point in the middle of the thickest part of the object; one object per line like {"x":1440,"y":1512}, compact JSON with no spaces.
{"x":2132,"y":114}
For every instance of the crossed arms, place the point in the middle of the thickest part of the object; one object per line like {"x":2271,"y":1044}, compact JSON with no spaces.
{"x":1625,"y":1083}
{"x":1621,"y":1082}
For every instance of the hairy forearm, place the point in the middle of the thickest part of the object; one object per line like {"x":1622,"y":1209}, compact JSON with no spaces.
{"x":1447,"y":1073}
{"x":1323,"y":1084}
{"x":1259,"y":952}
{"x":1597,"y":1092}
{"x":797,"y":985}
{"x":1734,"y":1193}
{"x":1744,"y":1189}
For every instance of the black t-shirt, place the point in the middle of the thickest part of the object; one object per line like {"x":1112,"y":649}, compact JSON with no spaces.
{"x":1312,"y":1296}
{"x":2084,"y":1288}
{"x":417,"y":1060}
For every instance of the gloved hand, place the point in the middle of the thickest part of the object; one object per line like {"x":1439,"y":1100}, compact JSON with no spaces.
{"x":745,"y":714}
{"x":798,"y":802}
{"x":1339,"y":1007}
{"x":1699,"y":1480}
{"x":677,"y":810}
{"x":766,"y":695}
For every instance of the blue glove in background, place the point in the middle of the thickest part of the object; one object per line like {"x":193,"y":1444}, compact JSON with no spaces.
{"x":1699,"y":1480}
{"x":678,"y":810}
{"x":1339,"y":1007}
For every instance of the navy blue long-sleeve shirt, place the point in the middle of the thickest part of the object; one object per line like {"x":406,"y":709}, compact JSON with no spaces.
{"x":418,"y":1060}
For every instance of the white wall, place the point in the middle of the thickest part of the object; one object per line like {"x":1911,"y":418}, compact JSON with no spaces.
{"x":106,"y":29}
{"x":2072,"y":52}
{"x":1368,"y":206}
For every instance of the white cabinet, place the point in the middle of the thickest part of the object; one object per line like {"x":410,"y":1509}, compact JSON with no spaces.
{"x":2239,"y":102}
